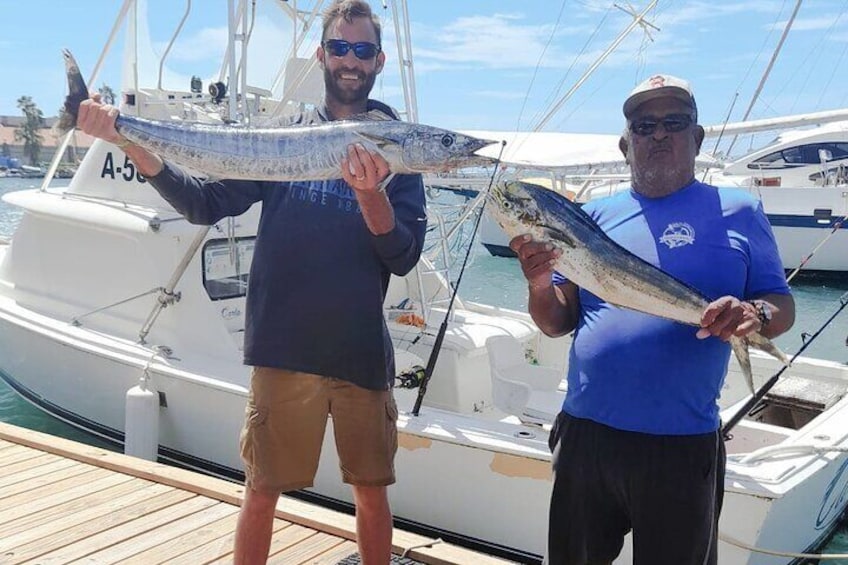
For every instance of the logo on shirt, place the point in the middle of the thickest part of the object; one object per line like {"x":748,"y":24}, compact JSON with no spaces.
{"x":678,"y":234}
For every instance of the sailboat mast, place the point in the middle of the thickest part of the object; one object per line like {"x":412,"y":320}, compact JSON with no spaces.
{"x":768,"y":68}
{"x":636,"y":21}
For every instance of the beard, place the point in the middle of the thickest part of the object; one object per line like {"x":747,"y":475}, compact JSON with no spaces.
{"x":336,"y":88}
{"x":660,"y":180}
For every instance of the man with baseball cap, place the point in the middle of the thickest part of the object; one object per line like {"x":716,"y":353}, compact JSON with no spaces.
{"x":637,"y":446}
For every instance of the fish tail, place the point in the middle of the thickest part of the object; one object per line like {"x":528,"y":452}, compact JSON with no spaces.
{"x":766,"y":345}
{"x":740,"y":349}
{"x":77,"y":92}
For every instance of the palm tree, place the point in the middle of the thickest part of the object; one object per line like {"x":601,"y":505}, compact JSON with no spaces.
{"x":107,"y":94}
{"x":29,"y":133}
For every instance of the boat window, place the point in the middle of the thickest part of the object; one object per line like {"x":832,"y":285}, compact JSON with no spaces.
{"x":226,"y":266}
{"x":800,"y":155}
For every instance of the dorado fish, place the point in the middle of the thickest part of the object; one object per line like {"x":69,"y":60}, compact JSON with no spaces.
{"x":596,"y":263}
{"x":288,"y":153}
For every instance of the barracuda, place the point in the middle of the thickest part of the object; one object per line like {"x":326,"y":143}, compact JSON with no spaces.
{"x":596,"y":263}
{"x":289,"y":153}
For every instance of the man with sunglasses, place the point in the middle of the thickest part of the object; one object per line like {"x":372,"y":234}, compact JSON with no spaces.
{"x":315,"y":333}
{"x":637,"y":445}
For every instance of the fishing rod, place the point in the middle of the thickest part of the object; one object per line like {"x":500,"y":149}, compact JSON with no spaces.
{"x":755,"y":399}
{"x":440,"y":337}
{"x":836,"y":225}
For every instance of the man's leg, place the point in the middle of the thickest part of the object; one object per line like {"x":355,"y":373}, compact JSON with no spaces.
{"x":285,"y":419}
{"x":373,"y":524}
{"x":365,"y":427}
{"x":254,"y":527}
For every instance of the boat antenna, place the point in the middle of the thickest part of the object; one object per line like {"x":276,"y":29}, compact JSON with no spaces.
{"x":755,"y":399}
{"x":767,"y":71}
{"x":721,"y":133}
{"x":440,"y":337}
{"x":836,"y":225}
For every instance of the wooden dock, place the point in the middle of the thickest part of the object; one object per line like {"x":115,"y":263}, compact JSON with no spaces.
{"x":62,"y":502}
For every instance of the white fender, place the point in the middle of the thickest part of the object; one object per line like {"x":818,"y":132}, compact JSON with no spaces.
{"x":141,"y":426}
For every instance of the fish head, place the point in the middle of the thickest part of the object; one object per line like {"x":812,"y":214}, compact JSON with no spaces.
{"x":428,"y":149}
{"x":516,"y":208}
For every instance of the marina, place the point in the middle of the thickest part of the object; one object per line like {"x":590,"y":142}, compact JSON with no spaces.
{"x":104,"y":287}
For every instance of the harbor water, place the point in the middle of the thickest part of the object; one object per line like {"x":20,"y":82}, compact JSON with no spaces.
{"x":498,"y":281}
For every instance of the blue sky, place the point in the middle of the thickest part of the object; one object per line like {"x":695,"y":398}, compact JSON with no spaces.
{"x":482,"y":64}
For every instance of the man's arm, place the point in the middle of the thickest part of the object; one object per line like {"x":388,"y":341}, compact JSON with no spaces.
{"x":729,"y":316}
{"x":782,"y":312}
{"x":554,"y":308}
{"x":200,"y":201}
{"x":98,"y":120}
{"x":395,"y":216}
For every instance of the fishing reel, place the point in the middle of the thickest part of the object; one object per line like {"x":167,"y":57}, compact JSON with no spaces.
{"x":411,"y":378}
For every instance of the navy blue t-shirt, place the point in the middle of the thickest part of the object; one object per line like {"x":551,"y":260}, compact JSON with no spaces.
{"x":319,"y":276}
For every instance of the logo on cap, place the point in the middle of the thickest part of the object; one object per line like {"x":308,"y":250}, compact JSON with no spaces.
{"x":657,"y":81}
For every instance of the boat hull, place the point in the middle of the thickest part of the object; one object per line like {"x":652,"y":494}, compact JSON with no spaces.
{"x":481,"y":479}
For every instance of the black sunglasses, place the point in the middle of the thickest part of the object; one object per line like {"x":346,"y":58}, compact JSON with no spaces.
{"x":671,"y":124}
{"x":362,"y":49}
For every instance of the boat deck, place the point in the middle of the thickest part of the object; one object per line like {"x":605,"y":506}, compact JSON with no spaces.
{"x":62,"y":501}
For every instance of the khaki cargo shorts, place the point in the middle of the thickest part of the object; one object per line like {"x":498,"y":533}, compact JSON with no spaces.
{"x":285,"y":420}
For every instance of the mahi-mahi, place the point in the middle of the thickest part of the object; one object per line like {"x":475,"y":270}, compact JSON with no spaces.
{"x":596,"y":263}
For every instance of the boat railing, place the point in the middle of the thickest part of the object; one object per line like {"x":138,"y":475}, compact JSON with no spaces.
{"x":771,"y":451}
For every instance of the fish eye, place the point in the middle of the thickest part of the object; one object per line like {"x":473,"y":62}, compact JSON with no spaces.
{"x":447,"y":140}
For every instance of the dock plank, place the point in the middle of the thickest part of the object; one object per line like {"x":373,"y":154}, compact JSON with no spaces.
{"x":69,"y":536}
{"x":177,"y":548}
{"x":85,"y":511}
{"x":14,"y":508}
{"x":306,"y":550}
{"x":120,"y":552}
{"x":334,"y":555}
{"x":110,"y":536}
{"x":107,"y":507}
{"x":30,"y":470}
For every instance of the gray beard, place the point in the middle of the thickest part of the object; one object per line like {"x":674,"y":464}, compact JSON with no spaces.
{"x":659,"y":181}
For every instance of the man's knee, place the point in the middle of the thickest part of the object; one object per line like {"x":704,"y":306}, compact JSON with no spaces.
{"x":370,"y":497}
{"x":259,"y":502}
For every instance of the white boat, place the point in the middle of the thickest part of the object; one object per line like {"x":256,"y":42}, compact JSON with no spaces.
{"x":801,"y":177}
{"x":104,"y":284}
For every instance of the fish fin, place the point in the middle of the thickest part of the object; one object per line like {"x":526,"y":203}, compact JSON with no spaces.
{"x":766,"y":345}
{"x":559,"y":236}
{"x":378,"y":140}
{"x":77,"y":92}
{"x":740,"y":349}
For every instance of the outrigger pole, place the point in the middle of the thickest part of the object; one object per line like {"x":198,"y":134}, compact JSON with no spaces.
{"x":440,"y":337}
{"x":755,"y":399}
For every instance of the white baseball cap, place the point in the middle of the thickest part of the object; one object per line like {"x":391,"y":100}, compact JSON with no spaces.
{"x":658,"y":86}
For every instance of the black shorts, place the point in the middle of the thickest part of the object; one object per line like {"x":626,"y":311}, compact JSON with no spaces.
{"x":667,"y":489}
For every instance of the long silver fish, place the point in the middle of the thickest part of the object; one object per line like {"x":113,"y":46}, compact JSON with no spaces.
{"x":286,"y":153}
{"x":596,"y":263}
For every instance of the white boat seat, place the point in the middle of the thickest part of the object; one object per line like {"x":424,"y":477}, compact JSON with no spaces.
{"x":529,"y":392}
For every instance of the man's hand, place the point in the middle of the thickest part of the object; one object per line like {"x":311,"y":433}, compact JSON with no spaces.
{"x":364,"y":170}
{"x":728,"y":316}
{"x":537,"y":260}
{"x":98,"y":119}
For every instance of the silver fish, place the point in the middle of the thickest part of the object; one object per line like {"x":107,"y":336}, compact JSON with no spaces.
{"x":288,"y":153}
{"x":596,"y":263}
